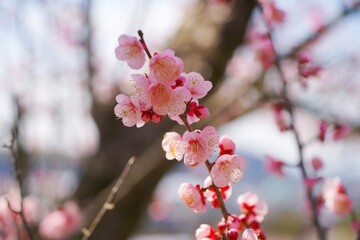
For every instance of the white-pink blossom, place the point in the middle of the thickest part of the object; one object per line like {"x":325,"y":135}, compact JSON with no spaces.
{"x":250,"y":204}
{"x":128,"y":110}
{"x":205,"y":232}
{"x":165,"y":67}
{"x":335,"y":198}
{"x":227,"y":169}
{"x":130,"y":50}
{"x":274,"y":166}
{"x":192,"y":197}
{"x":171,"y":146}
{"x":198,"y":146}
{"x":249,"y":234}
{"x":196,"y":84}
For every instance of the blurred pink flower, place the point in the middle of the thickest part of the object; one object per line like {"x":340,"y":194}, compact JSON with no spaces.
{"x":61,"y":223}
{"x":272,"y":14}
{"x":165,"y":67}
{"x":130,"y":50}
{"x":274,"y":166}
{"x":192,"y":197}
{"x":227,"y":169}
{"x":317,"y":163}
{"x":205,"y":232}
{"x":335,"y":197}
{"x":249,"y":234}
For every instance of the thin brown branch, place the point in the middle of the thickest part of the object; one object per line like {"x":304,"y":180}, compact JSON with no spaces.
{"x":18,"y":171}
{"x":142,"y":40}
{"x":110,"y":201}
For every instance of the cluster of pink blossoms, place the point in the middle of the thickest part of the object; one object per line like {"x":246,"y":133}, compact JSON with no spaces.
{"x":167,"y":90}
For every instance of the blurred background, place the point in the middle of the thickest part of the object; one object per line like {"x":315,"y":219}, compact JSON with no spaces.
{"x":59,"y":78}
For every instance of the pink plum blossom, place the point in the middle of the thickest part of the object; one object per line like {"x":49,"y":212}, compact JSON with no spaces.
{"x":210,"y":193}
{"x":251,"y":205}
{"x":192,"y":197}
{"x":227,"y":169}
{"x":306,"y":66}
{"x":205,"y":232}
{"x":166,"y":100}
{"x":274,"y":166}
{"x":281,"y":119}
{"x":335,"y":197}
{"x":198,"y":146}
{"x":226,"y":145}
{"x":128,"y":110}
{"x":130,"y":50}
{"x":171,"y":145}
{"x":62,"y":223}
{"x":340,"y":131}
{"x":165,"y":67}
{"x":249,"y":234}
{"x":197,"y":86}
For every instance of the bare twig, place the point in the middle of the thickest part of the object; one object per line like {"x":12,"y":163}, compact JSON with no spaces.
{"x":110,"y":201}
{"x":18,"y":171}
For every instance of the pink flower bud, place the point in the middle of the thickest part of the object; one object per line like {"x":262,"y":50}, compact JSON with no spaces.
{"x":156,"y":118}
{"x":226,"y":145}
{"x":146,"y":116}
{"x":201,"y":112}
{"x":316,"y":163}
{"x":232,"y":234}
{"x":221,"y":227}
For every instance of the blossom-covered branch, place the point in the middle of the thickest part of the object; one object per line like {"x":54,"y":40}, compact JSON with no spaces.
{"x":168,"y":91}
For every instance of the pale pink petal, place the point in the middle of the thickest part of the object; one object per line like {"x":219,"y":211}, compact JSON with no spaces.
{"x":177,"y":103}
{"x":140,"y":87}
{"x":165,"y":67}
{"x":211,"y":136}
{"x":130,"y":50}
{"x":197,"y":86}
{"x":160,"y":96}
{"x":171,"y":145}
{"x":227,"y":169}
{"x":249,"y":234}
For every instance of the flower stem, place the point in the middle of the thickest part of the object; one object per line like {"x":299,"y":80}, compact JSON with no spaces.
{"x":142,"y":40}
